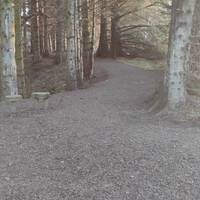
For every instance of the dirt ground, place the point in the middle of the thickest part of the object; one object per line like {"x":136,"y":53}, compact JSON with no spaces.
{"x":98,"y":143}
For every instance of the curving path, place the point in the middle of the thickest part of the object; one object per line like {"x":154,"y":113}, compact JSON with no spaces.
{"x":98,"y":144}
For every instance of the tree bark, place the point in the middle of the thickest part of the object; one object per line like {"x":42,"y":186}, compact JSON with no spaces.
{"x":8,"y":64}
{"x":86,"y":40}
{"x":19,"y":51}
{"x":115,"y":35}
{"x":181,"y":27}
{"x":103,"y":50}
{"x":71,"y":46}
{"x":60,"y":33}
{"x":35,"y":34}
{"x":195,"y":43}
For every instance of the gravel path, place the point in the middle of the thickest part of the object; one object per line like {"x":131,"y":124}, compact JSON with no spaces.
{"x":98,"y":144}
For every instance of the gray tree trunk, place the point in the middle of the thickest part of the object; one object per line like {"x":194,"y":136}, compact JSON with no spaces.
{"x":22,"y":87}
{"x":60,"y":32}
{"x":182,"y":16}
{"x":195,"y":45}
{"x":71,"y":46}
{"x":8,"y":62}
{"x":35,"y":35}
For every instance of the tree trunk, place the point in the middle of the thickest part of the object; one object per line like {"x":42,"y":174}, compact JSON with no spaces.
{"x":45,"y":36}
{"x":25,"y":39}
{"x":115,"y":35}
{"x":93,"y":4}
{"x":103,"y":50}
{"x":195,"y":44}
{"x":78,"y":43}
{"x":182,"y":16}
{"x":86,"y":41}
{"x":60,"y":32}
{"x":19,"y":51}
{"x":41,"y":25}
{"x":35,"y":35}
{"x":71,"y":46}
{"x":9,"y":67}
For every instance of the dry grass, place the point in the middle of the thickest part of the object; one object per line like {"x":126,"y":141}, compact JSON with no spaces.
{"x":144,"y":63}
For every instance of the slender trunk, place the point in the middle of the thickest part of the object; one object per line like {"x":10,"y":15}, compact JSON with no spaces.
{"x":60,"y":31}
{"x":9,"y":67}
{"x":35,"y":35}
{"x":19,"y":50}
{"x":103,"y":49}
{"x":86,"y":40}
{"x":45,"y":36}
{"x":92,"y":43}
{"x":115,"y":35}
{"x":41,"y":25}
{"x":25,"y":40}
{"x":78,"y":42}
{"x":46,"y":46}
{"x":71,"y":46}
{"x":195,"y":47}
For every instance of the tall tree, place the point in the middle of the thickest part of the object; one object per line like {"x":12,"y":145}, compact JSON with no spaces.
{"x":181,"y":27}
{"x":8,"y":63}
{"x":86,"y":39}
{"x":45,"y":36}
{"x":60,"y":32}
{"x":35,"y":32}
{"x":19,"y":50}
{"x":73,"y":60}
{"x":103,"y":49}
{"x":195,"y":48}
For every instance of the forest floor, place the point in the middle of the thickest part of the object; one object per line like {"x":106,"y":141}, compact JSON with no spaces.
{"x":98,"y":143}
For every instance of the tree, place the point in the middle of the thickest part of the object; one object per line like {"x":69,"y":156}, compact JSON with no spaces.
{"x":103,"y":49}
{"x":73,"y":45}
{"x":195,"y":48}
{"x":35,"y":32}
{"x":88,"y":36}
{"x":19,"y":50}
{"x":8,"y":62}
{"x":60,"y":34}
{"x":179,"y":49}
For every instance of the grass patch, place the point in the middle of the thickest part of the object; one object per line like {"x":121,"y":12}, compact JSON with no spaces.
{"x":144,"y":63}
